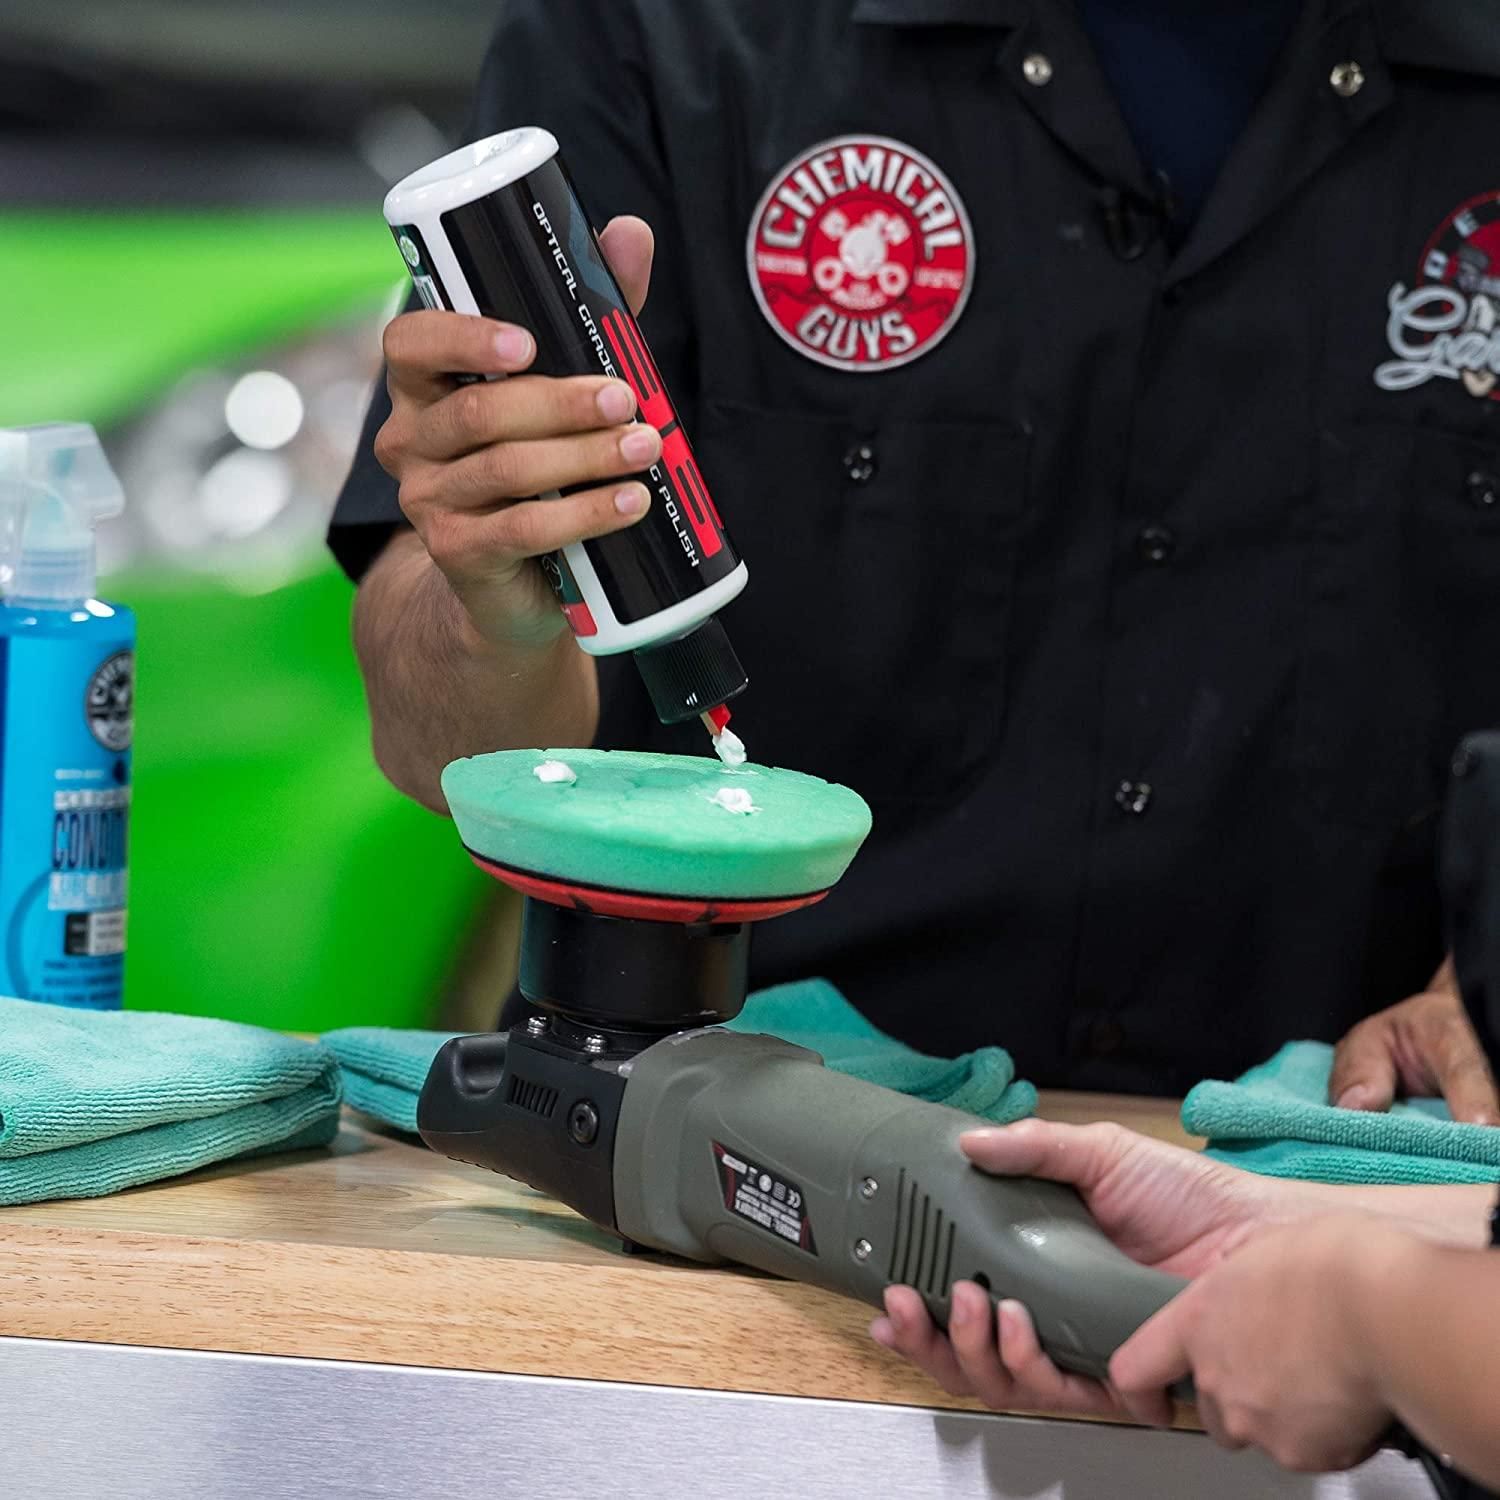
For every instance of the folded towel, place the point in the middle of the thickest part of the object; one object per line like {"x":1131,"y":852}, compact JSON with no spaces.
{"x":95,"y":1101}
{"x":384,"y":1069}
{"x":812,"y":1013}
{"x":1277,"y":1121}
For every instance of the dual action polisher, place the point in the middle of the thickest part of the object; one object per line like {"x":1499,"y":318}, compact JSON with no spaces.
{"x":624,"y":1097}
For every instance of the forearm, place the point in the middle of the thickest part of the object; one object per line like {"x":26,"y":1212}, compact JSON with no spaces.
{"x":1450,"y":1214}
{"x":438,"y":691}
{"x":1431,"y":1323}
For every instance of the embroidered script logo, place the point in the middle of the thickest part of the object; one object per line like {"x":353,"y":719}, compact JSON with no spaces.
{"x":1437,"y":333}
{"x":1447,"y":327}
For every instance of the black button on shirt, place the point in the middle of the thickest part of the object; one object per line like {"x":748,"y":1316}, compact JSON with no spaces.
{"x":1483,"y":489}
{"x":956,"y":635}
{"x":1156,"y":545}
{"x":861,"y":464}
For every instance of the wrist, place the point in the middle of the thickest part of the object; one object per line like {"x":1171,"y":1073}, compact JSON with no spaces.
{"x":1286,"y":1201}
{"x":1387,"y":1267}
{"x":1456,"y":1215}
{"x":490,"y":622}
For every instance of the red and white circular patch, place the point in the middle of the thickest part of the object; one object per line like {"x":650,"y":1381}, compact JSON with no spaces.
{"x":861,"y":254}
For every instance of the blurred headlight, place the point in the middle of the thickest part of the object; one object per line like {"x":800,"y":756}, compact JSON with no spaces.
{"x":235,"y":470}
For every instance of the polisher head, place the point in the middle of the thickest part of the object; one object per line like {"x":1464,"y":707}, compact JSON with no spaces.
{"x":664,"y":838}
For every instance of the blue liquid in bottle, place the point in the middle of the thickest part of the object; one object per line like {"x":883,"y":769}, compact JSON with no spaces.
{"x":67,"y":672}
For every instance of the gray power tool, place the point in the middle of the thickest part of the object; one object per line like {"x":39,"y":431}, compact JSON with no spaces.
{"x":624,"y":1099}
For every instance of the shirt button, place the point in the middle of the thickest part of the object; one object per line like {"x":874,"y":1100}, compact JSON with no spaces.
{"x":1483,"y":489}
{"x":1347,"y":79}
{"x":1156,"y":545}
{"x":1106,"y":1037}
{"x":860,"y":463}
{"x":1133,"y":797}
{"x":1036,"y":69}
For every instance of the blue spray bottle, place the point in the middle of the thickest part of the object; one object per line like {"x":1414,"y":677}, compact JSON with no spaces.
{"x":67,"y":672}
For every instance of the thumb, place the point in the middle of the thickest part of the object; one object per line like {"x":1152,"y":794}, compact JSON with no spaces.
{"x":1364,"y":1067}
{"x":1154,"y":1358}
{"x":1075,"y":1154}
{"x":629,"y":247}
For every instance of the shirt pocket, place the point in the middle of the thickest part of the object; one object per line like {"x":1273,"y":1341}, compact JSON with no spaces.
{"x":882,"y":566}
{"x":1403,"y":633}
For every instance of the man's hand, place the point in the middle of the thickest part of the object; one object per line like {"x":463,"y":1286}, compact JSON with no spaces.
{"x":1274,"y":1338}
{"x":1162,"y":1205}
{"x":461,"y":644}
{"x":1423,"y":1046}
{"x":471,"y":458}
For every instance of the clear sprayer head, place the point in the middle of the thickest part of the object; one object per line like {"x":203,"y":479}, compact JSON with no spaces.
{"x":55,"y":485}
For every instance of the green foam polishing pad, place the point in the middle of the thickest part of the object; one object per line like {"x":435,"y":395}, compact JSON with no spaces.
{"x":667,"y":825}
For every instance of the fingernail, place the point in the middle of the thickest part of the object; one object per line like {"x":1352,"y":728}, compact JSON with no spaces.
{"x":641,"y":447}
{"x":513,"y":345}
{"x":616,"y":403}
{"x":959,"y":1313}
{"x":979,"y":1137}
{"x":631,"y":502}
{"x":1356,"y":1097}
{"x":882,"y":1332}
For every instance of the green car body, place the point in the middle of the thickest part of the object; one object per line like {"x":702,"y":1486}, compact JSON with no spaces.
{"x":276,"y":878}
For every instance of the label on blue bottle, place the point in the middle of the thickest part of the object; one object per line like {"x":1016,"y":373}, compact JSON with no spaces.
{"x":66,"y":720}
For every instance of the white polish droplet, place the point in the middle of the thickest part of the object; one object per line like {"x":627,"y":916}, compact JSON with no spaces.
{"x":729,"y":747}
{"x":734,"y":799}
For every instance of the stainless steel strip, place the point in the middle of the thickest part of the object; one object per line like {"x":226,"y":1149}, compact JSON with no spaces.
{"x":121,"y":1423}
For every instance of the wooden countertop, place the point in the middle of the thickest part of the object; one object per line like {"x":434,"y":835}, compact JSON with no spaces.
{"x":380,"y":1251}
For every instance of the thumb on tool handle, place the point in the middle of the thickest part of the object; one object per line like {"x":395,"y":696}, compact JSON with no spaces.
{"x":1020,"y":1238}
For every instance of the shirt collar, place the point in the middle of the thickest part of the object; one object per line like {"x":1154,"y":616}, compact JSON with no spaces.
{"x":1457,"y":36}
{"x":1452,"y":36}
{"x":1001,"y":13}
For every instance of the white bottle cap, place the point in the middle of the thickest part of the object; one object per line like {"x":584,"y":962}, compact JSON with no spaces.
{"x":55,"y":484}
{"x":471,"y":172}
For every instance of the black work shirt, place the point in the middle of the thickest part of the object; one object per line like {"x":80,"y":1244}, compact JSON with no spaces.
{"x":1147,"y":603}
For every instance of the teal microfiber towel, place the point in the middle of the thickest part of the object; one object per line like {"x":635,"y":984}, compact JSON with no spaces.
{"x":92,"y":1102}
{"x":1276,"y":1120}
{"x":812,"y":1013}
{"x":384,"y":1069}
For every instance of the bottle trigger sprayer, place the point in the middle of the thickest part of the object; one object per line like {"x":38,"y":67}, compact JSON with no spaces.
{"x":67,"y":674}
{"x":496,"y":229}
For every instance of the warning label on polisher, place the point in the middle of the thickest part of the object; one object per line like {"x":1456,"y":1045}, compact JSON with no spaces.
{"x":759,"y":1195}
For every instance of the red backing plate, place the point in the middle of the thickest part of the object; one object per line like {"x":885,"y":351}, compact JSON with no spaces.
{"x":608,"y":903}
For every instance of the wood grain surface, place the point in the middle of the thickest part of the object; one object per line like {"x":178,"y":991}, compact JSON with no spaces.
{"x":378,"y":1250}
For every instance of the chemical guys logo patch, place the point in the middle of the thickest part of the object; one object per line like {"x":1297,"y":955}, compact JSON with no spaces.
{"x":861,"y":254}
{"x":1445,"y":326}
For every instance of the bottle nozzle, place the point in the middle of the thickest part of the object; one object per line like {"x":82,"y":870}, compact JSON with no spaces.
{"x":55,"y":484}
{"x":683,"y":675}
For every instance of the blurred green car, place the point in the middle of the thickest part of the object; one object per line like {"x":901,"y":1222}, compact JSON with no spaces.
{"x":224,"y":353}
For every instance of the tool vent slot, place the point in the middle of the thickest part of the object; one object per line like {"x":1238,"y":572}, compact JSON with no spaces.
{"x":535,"y":1098}
{"x":922,"y":1245}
